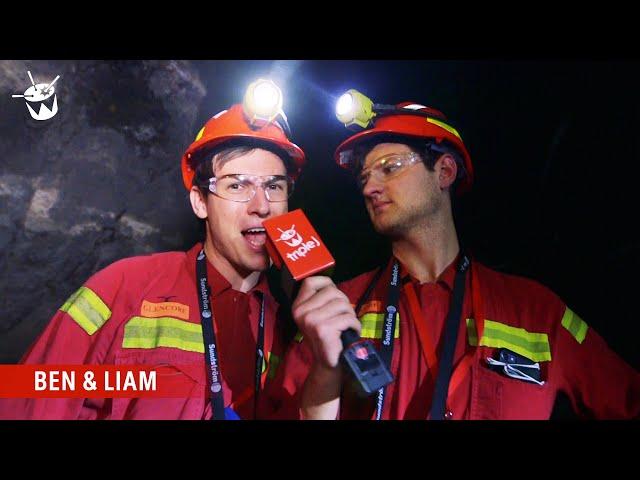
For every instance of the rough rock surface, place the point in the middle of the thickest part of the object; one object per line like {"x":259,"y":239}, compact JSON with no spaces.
{"x":97,"y":182}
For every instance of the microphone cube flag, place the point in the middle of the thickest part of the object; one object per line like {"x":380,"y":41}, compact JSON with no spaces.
{"x":292,"y":241}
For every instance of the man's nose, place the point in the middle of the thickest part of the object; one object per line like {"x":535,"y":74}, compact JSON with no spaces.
{"x":259,"y":204}
{"x":373,"y":186}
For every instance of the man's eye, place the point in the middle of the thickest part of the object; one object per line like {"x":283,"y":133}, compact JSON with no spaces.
{"x":276,"y":186}
{"x":236,"y":186}
{"x":391,"y":167}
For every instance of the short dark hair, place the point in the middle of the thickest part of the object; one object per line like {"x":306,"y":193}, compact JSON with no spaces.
{"x":429,"y":151}
{"x":207,"y":159}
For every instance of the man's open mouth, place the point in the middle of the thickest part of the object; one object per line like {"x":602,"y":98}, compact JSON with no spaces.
{"x":256,"y":237}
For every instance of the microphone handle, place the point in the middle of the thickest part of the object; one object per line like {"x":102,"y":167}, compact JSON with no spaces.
{"x":359,"y":356}
{"x":349,"y":337}
{"x":365,"y":364}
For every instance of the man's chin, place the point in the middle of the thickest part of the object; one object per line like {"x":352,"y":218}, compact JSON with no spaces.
{"x":381,"y":225}
{"x":387,"y":229}
{"x":258,"y":263}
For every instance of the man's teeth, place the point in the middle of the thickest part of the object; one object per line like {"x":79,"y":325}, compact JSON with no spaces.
{"x":255,"y":230}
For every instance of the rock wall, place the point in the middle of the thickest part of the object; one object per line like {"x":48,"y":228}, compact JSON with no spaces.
{"x":97,"y":182}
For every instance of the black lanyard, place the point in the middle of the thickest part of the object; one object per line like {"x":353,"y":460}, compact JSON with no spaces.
{"x":212,"y":363}
{"x":439,"y":399}
{"x":438,"y":402}
{"x":389,"y":330}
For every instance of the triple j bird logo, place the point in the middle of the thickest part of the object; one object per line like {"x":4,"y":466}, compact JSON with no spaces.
{"x":290,"y":234}
{"x":294,"y":239}
{"x":41,"y":99}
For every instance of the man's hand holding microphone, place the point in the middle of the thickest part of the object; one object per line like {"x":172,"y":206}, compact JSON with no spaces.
{"x":324,"y":316}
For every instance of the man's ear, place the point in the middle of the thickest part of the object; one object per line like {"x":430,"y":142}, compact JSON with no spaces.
{"x":198,"y":203}
{"x":447,"y":170}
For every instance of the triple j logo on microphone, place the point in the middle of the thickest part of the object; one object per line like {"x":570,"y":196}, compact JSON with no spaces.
{"x":293,"y":243}
{"x":294,"y":239}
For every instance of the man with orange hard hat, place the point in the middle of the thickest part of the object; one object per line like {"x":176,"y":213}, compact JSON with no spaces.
{"x":463,"y":341}
{"x":207,"y":313}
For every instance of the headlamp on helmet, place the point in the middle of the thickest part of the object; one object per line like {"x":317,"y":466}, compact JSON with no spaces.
{"x":355,"y":109}
{"x":259,"y":119}
{"x":405,"y":120}
{"x":262,"y":101}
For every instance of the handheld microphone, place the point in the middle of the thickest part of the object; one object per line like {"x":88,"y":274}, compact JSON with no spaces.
{"x":296,"y":249}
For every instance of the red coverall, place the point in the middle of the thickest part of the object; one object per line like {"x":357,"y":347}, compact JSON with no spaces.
{"x":144,"y":310}
{"x":520,"y":315}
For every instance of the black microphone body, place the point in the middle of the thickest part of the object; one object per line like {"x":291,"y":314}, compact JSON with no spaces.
{"x":364,"y":362}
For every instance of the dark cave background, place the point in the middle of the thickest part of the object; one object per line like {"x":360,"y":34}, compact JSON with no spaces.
{"x":554,"y":146}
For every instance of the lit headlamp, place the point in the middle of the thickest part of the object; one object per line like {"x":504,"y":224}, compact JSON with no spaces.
{"x":262,"y":104}
{"x":355,"y":109}
{"x":262,"y":101}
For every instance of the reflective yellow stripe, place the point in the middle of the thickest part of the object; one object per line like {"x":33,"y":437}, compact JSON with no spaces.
{"x":575,"y":325}
{"x":87,"y":309}
{"x":472,"y":333}
{"x":373,"y":323}
{"x":534,"y":346}
{"x":144,"y":332}
{"x":274,"y":363}
{"x":198,"y":137}
{"x":448,"y":128}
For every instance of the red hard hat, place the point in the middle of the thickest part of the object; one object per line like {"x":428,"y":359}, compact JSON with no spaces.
{"x":413,"y":126}
{"x":232,"y":124}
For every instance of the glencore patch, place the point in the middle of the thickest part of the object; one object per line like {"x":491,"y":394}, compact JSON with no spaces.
{"x":162,"y":309}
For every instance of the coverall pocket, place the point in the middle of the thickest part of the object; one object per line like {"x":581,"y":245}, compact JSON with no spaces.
{"x":498,"y":397}
{"x":183,"y":371}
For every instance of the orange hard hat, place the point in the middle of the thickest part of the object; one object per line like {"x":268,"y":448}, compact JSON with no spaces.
{"x":414,"y":121}
{"x":232,"y":124}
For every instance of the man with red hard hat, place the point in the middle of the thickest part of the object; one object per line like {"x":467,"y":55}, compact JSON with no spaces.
{"x":462,"y":340}
{"x":207,"y":313}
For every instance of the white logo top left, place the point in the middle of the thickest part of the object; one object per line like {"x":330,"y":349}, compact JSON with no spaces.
{"x":41,"y":99}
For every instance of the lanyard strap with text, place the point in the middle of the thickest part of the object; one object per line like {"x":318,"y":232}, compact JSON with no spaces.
{"x":389,"y":330}
{"x":212,"y":363}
